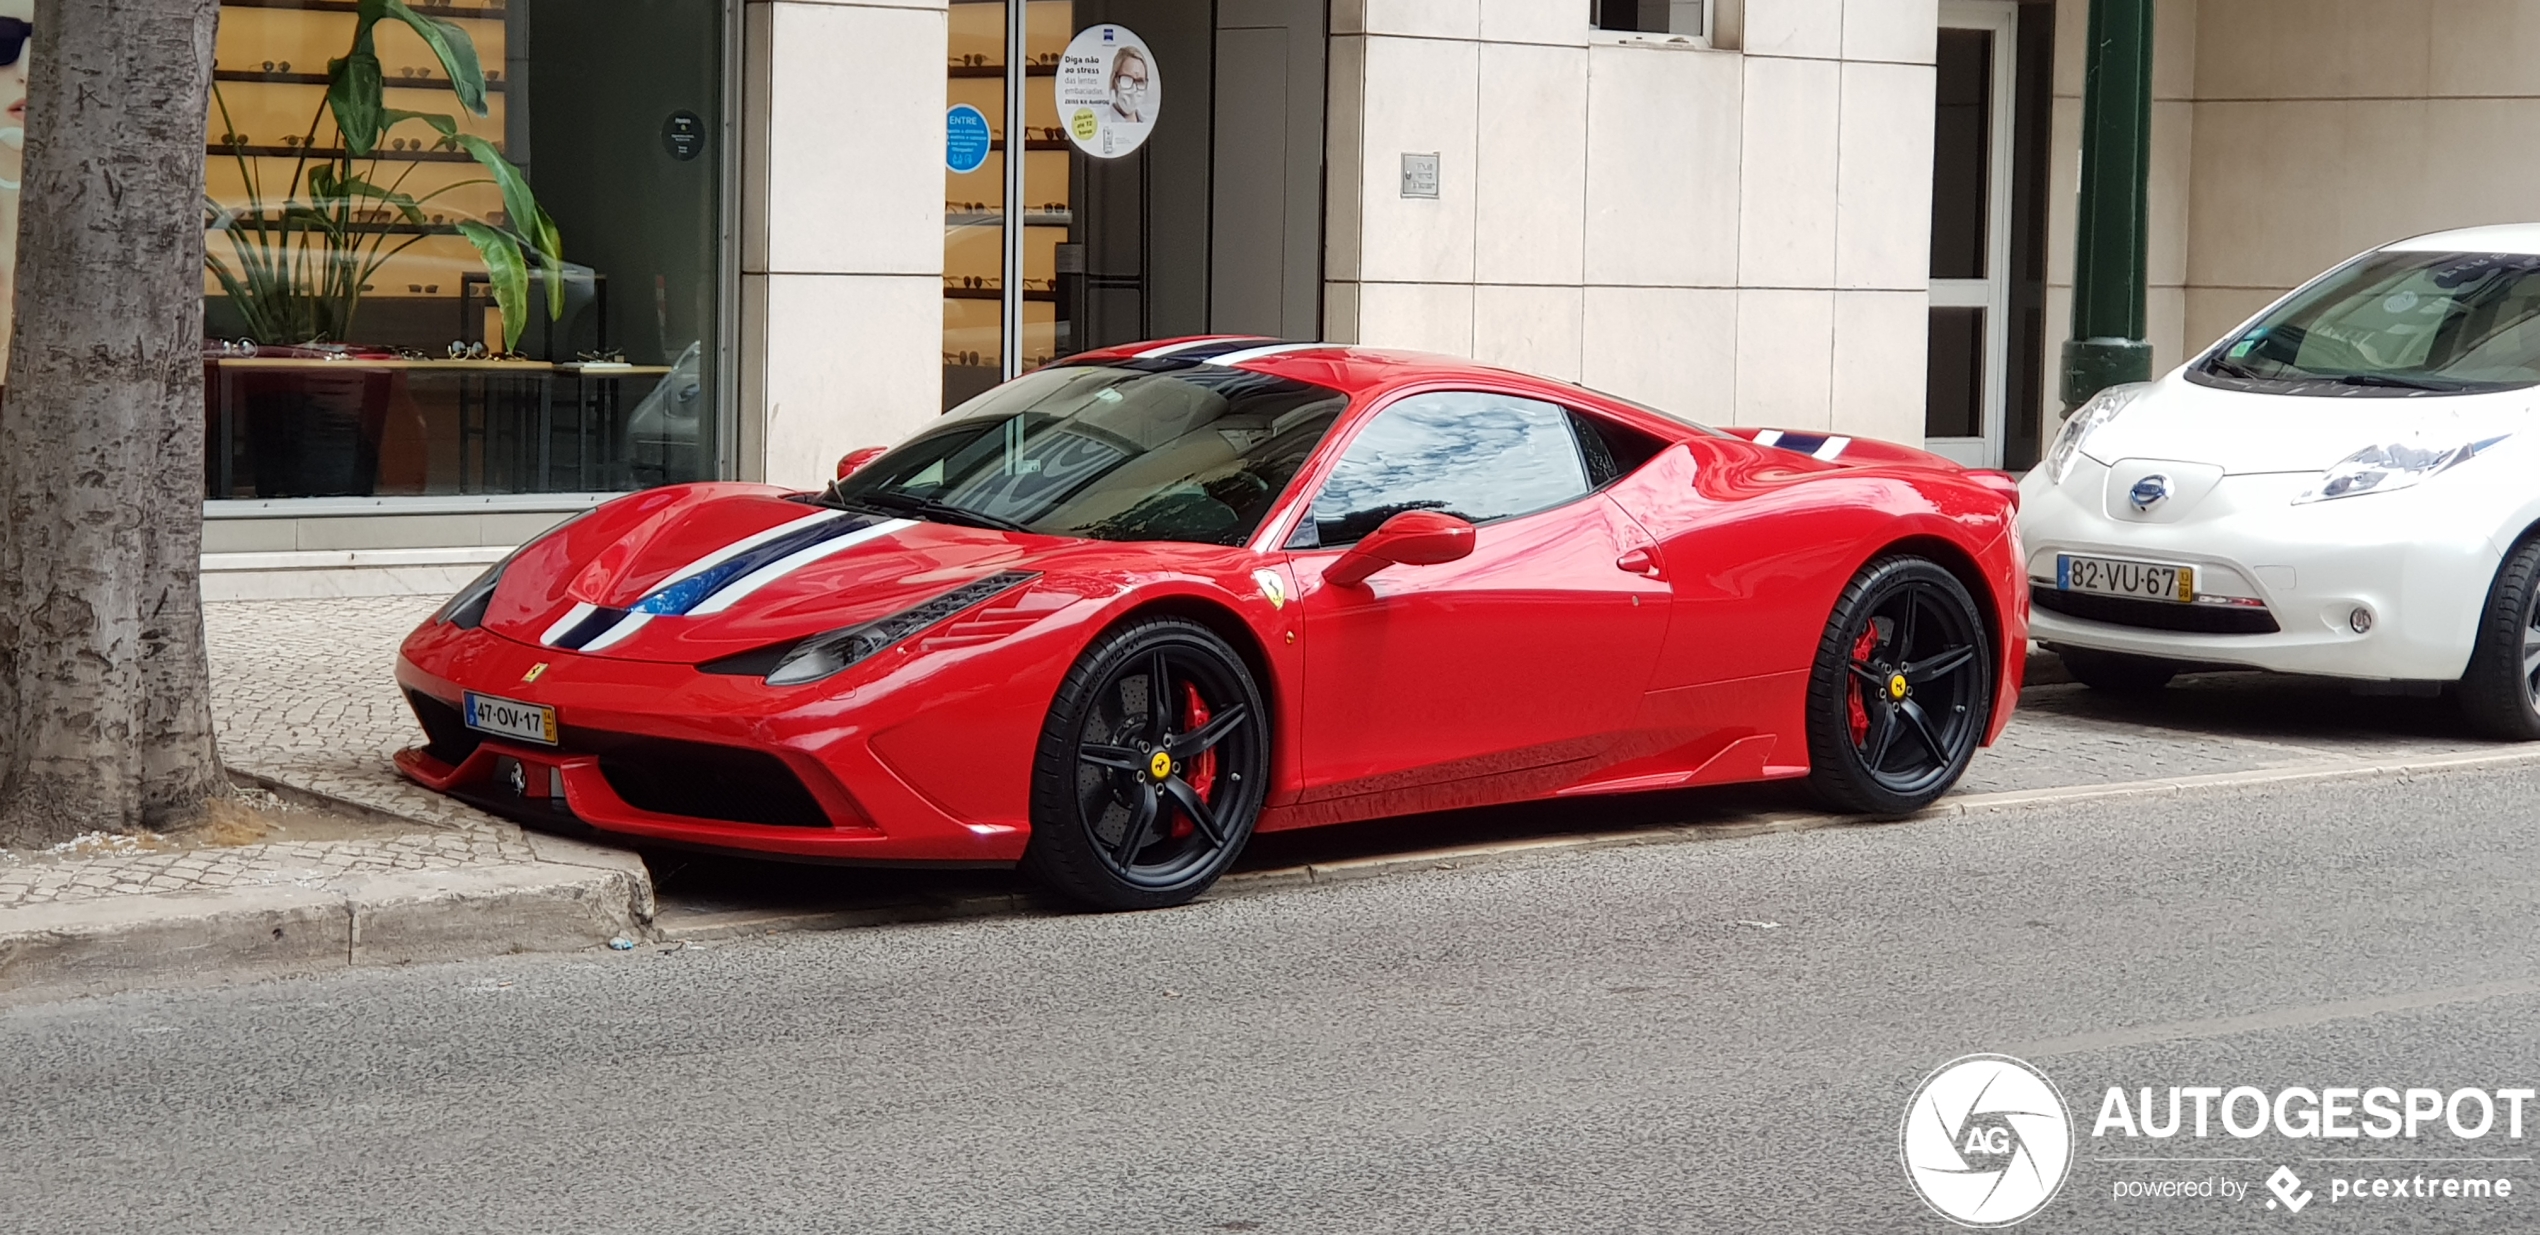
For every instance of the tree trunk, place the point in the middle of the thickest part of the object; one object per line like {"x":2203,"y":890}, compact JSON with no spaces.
{"x":105,"y":709}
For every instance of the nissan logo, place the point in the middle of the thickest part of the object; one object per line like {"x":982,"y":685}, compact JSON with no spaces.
{"x":2148,"y":492}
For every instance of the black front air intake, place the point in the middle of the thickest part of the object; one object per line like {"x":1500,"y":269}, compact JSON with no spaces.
{"x":2156,"y":614}
{"x":447,"y":737}
{"x":700,"y":780}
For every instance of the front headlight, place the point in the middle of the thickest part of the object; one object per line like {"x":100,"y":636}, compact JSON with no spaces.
{"x":2086,"y":420}
{"x":2397,"y":465}
{"x":827,"y":655}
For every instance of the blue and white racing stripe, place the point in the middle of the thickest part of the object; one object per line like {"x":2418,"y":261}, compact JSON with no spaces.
{"x":717,"y":581}
{"x":1826,"y":447}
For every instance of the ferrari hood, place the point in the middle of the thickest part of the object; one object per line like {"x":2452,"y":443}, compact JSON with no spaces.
{"x":2246,"y":432}
{"x":697,"y":572}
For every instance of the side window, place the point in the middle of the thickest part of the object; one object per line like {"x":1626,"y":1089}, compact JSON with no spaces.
{"x":1612,"y":451}
{"x":1475,"y":456}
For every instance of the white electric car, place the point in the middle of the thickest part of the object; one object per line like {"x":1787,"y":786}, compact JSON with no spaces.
{"x":2346,"y":485}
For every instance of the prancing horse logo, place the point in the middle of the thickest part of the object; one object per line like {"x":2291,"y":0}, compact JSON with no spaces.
{"x":2148,"y":492}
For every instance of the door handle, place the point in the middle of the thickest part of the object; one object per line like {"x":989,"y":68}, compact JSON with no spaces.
{"x":1638,"y":562}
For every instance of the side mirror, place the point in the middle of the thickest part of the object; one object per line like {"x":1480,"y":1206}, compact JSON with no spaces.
{"x":856,"y":459}
{"x":1412,"y":538}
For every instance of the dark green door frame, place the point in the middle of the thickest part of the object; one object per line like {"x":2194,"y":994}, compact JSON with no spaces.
{"x":2107,"y":345}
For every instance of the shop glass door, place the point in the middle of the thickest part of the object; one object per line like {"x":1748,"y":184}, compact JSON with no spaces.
{"x":1967,"y":379}
{"x":1175,"y":190}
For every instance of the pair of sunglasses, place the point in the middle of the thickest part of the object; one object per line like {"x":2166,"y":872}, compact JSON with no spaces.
{"x":14,"y":33}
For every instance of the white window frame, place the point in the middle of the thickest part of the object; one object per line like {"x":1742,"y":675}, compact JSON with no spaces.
{"x":1992,"y":293}
{"x":1707,"y":13}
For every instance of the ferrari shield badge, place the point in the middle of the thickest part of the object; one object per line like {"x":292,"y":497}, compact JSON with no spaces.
{"x":534,"y":671}
{"x":1273,"y":588}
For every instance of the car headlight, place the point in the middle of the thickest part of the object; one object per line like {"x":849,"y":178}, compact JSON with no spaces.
{"x":2086,"y":420}
{"x":2396,"y":465}
{"x":827,"y":655}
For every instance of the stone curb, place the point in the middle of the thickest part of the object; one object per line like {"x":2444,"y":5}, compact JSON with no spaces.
{"x":123,"y":942}
{"x":576,"y":895}
{"x":1244,"y":883}
{"x":580,"y":894}
{"x":1982,"y":803}
{"x":546,"y":847}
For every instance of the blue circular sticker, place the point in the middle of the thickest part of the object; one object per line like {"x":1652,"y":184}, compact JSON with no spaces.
{"x":965,"y":138}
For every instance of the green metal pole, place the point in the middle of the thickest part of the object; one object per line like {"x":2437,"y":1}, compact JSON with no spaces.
{"x":2107,"y":345}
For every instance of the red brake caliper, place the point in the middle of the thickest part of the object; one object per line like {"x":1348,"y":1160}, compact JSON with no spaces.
{"x":1860,"y":717}
{"x":1202,"y":770}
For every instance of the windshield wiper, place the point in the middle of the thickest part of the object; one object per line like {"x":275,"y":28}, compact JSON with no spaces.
{"x":2232,"y":368}
{"x":911,"y":504}
{"x":2394,"y":382}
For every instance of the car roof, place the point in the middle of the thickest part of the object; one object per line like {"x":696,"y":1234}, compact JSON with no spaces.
{"x":2494,"y":238}
{"x":1346,"y":367}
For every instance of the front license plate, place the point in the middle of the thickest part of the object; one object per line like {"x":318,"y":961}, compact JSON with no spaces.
{"x":510,"y":718}
{"x":2139,"y":580}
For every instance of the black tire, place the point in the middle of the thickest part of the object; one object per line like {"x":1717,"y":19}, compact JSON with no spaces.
{"x":2117,"y":673}
{"x":1107,"y":832}
{"x":1902,"y":689}
{"x":2500,"y":695}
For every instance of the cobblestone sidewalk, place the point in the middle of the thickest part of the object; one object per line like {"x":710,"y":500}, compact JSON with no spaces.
{"x":301,"y":693}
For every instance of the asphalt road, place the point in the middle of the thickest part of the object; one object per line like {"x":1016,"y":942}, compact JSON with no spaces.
{"x":1717,"y":1036}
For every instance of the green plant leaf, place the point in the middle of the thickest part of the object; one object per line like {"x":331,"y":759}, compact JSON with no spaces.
{"x":550,"y":247}
{"x":351,"y":187}
{"x":518,"y":202}
{"x":352,"y":93}
{"x":509,"y":274}
{"x":456,"y":51}
{"x":530,"y":222}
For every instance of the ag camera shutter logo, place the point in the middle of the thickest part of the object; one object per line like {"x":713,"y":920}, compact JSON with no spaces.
{"x":1987,"y":1141}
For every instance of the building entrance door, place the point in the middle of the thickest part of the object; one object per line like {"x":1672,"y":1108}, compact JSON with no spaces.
{"x":1967,"y":381}
{"x":1211,"y":222}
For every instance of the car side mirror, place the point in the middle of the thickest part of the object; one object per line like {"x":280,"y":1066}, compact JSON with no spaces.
{"x":855,"y":460}
{"x":1412,"y":538}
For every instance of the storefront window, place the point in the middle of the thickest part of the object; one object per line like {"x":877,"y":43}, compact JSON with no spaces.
{"x":1172,"y":178}
{"x":515,"y":288}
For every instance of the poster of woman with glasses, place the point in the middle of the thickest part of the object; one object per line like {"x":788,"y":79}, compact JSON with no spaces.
{"x":17,"y":31}
{"x":1108,"y":91}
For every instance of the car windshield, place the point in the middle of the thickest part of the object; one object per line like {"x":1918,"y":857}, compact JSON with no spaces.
{"x":1132,"y":451}
{"x":2395,"y":324}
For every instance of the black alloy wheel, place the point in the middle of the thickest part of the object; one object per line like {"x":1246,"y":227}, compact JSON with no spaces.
{"x":1151,"y":771}
{"x":2500,"y":694}
{"x":1901,"y":691}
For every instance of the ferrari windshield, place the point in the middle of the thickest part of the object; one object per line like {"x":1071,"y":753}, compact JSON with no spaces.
{"x":2395,"y":324}
{"x":1137,"y":451}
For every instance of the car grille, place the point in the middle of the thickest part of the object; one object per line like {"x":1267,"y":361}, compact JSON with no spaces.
{"x":2155,"y":614}
{"x":698,"y":780}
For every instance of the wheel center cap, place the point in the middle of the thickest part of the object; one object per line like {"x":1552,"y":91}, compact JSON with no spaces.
{"x":1160,"y":764}
{"x":1896,"y":687}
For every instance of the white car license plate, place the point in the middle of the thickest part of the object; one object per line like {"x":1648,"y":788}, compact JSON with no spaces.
{"x":510,"y":718}
{"x":2138,"y":580}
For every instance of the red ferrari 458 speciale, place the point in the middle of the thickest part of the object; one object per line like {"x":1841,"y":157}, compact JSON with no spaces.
{"x":1109,"y":619}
